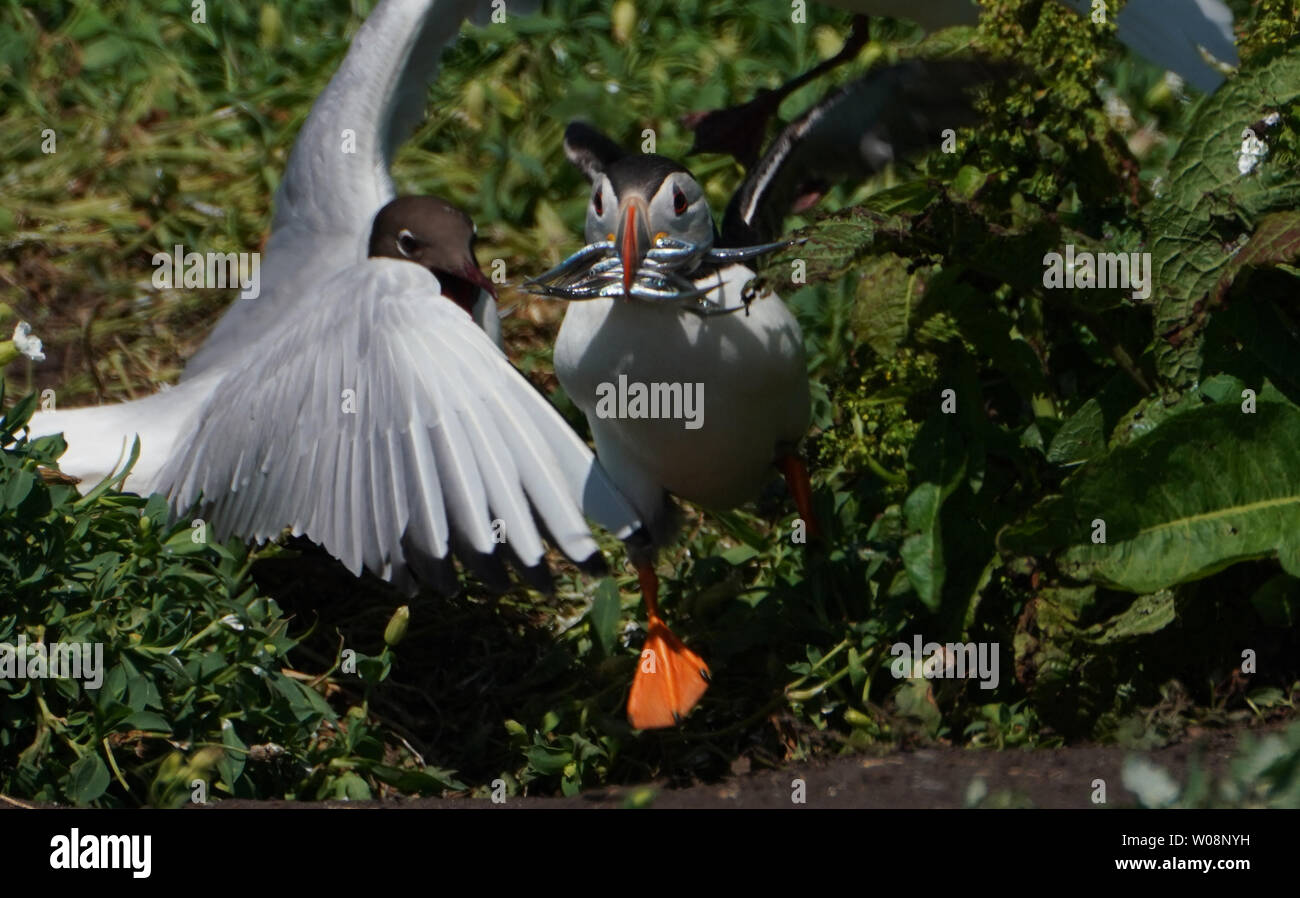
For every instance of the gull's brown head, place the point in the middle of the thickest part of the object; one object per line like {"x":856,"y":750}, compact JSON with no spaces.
{"x":432,"y":232}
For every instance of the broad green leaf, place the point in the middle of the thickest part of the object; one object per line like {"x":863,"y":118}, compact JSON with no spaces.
{"x":546,"y":760}
{"x":1080,"y":438}
{"x":1210,"y":487}
{"x":20,"y":484}
{"x":887,"y":296}
{"x":148,"y":720}
{"x":738,"y":555}
{"x":1209,"y":203}
{"x":1148,"y":614}
{"x":604,"y":615}
{"x":922,"y":551}
{"x":87,"y":779}
{"x":231,"y":765}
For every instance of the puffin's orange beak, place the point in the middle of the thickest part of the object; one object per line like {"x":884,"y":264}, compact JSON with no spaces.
{"x":632,"y":238}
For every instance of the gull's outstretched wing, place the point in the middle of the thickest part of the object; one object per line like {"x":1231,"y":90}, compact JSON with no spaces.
{"x":388,"y":427}
{"x":1170,"y":32}
{"x":856,"y":131}
{"x":1165,"y":32}
{"x":337,"y":176}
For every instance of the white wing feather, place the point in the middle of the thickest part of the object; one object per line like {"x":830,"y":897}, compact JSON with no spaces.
{"x":388,"y":414}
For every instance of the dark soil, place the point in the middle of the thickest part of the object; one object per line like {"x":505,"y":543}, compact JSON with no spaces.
{"x":922,"y":779}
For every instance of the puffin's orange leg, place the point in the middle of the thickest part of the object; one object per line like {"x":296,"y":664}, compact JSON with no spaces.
{"x":670,"y":678}
{"x":796,"y":480}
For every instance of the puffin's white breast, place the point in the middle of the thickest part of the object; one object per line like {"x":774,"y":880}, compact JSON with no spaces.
{"x":748,"y":367}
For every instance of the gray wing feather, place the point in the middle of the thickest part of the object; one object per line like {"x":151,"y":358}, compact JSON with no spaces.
{"x":1168,"y":33}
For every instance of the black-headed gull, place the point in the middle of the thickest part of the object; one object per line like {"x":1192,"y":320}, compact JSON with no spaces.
{"x":356,"y":401}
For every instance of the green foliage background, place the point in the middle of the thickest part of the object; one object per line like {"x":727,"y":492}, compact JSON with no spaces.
{"x":1073,"y":406}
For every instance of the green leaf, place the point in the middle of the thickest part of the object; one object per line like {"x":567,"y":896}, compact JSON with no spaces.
{"x":547,"y":760}
{"x":922,"y":552}
{"x":738,"y":555}
{"x":887,"y":296}
{"x":103,"y":52}
{"x":19,"y":485}
{"x":604,"y":614}
{"x":1208,"y":204}
{"x":148,"y":720}
{"x":87,"y":779}
{"x":231,"y":765}
{"x":351,"y":787}
{"x":1208,"y":488}
{"x":1080,"y":438}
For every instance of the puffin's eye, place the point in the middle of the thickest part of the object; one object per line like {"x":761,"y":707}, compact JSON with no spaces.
{"x":597,"y":204}
{"x":679,"y":200}
{"x":406,"y":242}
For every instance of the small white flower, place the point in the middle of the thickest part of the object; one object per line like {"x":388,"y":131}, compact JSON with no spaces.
{"x":232,"y":621}
{"x":27,"y":344}
{"x":1272,"y":119}
{"x":1174,"y":82}
{"x":612,"y":87}
{"x":1120,"y":116}
{"x":1252,"y":151}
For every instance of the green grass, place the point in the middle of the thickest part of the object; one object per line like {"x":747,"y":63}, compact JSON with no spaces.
{"x":169,"y":131}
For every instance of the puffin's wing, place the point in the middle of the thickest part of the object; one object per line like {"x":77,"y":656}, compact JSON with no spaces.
{"x":388,"y":427}
{"x":856,"y":131}
{"x":590,"y":149}
{"x":337,"y":177}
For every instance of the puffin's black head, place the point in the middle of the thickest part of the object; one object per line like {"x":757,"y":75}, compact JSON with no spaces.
{"x":637,"y":197}
{"x":433,"y":233}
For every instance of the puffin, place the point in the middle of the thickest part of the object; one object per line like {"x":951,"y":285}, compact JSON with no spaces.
{"x":1175,"y":35}
{"x":362,"y":400}
{"x":660,"y":303}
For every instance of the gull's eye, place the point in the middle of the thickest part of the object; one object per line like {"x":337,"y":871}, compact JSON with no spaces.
{"x":598,"y":204}
{"x":406,"y":242}
{"x":679,"y":200}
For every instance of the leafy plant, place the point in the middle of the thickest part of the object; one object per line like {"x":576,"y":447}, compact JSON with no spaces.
{"x":971,"y":424}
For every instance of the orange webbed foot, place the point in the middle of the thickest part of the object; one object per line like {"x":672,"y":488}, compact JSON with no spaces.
{"x":670,"y":679}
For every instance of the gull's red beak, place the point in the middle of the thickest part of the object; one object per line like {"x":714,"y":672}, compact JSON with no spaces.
{"x":632,"y":238}
{"x":475,"y":275}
